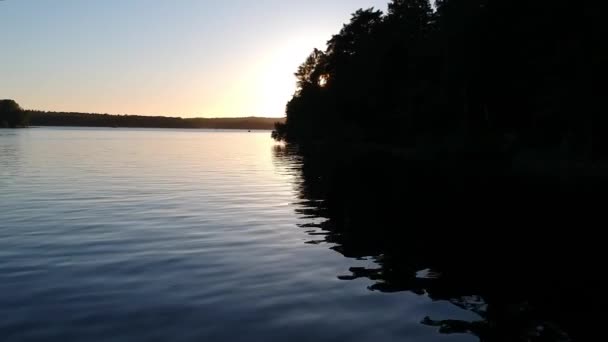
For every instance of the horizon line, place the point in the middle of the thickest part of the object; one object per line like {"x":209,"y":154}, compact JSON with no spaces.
{"x":159,"y":115}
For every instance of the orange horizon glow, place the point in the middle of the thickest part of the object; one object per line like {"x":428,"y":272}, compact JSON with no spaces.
{"x":211,"y":59}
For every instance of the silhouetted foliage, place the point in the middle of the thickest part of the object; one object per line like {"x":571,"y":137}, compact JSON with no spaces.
{"x":464,"y":133}
{"x":39,"y":118}
{"x":11,"y":115}
{"x":477,"y":74}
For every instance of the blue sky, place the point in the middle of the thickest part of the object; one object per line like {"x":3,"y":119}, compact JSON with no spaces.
{"x":210,"y":58}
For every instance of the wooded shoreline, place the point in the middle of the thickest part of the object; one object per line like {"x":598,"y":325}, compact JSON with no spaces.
{"x":39,"y":118}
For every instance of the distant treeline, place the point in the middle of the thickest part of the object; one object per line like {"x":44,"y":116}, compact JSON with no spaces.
{"x":41,"y":118}
{"x":474,"y":74}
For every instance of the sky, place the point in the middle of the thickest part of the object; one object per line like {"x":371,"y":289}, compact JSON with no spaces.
{"x":189,"y":58}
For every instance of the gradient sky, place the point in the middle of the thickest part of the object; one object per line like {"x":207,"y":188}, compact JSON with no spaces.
{"x":211,"y":58}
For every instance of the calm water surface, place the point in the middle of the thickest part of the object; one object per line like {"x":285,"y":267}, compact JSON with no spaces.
{"x":177,"y":235}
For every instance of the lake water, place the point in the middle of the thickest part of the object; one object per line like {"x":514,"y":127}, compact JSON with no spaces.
{"x":179,"y":235}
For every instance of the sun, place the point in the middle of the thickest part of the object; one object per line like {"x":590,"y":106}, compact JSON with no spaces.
{"x":277,"y":81}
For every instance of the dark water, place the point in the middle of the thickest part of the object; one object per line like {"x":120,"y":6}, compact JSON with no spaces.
{"x":168,"y":235}
{"x":176,"y":235}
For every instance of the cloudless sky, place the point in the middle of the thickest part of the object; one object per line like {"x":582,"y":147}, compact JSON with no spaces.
{"x":212,"y":58}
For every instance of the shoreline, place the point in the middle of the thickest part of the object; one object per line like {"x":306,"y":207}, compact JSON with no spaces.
{"x":161,"y":128}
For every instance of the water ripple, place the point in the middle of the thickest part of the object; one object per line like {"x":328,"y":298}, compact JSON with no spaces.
{"x":142,"y":235}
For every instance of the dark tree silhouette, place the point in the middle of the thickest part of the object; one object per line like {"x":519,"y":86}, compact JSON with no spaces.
{"x":483,"y":75}
{"x":455,"y":138}
{"x":11,"y":114}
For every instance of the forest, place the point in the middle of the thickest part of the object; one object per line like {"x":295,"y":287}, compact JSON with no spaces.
{"x":42,"y":118}
{"x":13,"y":116}
{"x":483,"y":77}
{"x":457,"y":136}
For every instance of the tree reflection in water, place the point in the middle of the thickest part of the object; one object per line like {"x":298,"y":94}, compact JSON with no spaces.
{"x":518,"y":250}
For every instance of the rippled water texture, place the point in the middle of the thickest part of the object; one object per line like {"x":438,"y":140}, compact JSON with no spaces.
{"x":171,"y":235}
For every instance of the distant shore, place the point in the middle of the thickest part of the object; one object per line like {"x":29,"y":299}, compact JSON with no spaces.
{"x":40,"y":118}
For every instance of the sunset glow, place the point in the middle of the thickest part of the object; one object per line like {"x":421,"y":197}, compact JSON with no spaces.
{"x":162,"y":57}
